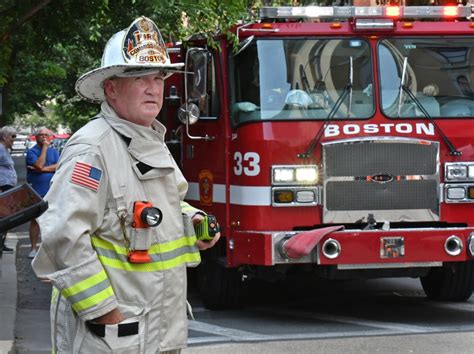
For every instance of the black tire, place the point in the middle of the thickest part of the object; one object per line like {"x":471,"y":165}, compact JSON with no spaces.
{"x":451,"y":282}
{"x":220,"y":287}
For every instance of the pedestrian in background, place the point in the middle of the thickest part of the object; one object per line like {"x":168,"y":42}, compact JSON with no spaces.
{"x":117,"y":236}
{"x":41,"y":162}
{"x":8,"y":176}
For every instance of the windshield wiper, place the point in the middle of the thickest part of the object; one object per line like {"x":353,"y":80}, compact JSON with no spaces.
{"x":351,"y":83}
{"x":347,"y":90}
{"x":402,"y":85}
{"x":403,"y":88}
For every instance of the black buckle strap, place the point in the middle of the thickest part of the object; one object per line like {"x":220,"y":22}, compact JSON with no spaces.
{"x":124,"y":329}
{"x":127,"y":329}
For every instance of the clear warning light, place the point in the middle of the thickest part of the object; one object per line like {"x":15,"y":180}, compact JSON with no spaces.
{"x":393,"y":11}
{"x":450,"y":11}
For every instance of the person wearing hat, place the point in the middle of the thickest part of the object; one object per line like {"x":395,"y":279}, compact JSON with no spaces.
{"x":117,"y":236}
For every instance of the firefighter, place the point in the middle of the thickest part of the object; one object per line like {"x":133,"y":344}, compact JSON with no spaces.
{"x":117,"y":236}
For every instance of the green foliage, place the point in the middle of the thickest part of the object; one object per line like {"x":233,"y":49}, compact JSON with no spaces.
{"x":42,"y":57}
{"x":5,"y":54}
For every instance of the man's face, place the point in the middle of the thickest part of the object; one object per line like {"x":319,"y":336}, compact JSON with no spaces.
{"x":42,"y":136}
{"x":136,"y":99}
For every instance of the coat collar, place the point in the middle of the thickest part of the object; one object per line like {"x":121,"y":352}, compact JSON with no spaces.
{"x":146,"y":145}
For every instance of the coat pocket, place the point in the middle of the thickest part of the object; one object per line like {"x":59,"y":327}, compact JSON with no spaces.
{"x":126,"y":337}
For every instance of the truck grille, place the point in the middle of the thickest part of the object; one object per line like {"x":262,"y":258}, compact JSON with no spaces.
{"x":392,"y":179}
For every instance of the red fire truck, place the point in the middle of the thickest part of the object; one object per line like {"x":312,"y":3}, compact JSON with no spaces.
{"x":336,"y":142}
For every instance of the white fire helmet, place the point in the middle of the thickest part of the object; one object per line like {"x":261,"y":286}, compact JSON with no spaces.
{"x":136,"y":51}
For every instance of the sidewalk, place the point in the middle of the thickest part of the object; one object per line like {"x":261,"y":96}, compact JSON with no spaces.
{"x":24,"y":309}
{"x":8,"y":296}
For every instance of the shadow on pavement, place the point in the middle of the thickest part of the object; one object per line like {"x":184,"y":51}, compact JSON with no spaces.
{"x":32,"y":329}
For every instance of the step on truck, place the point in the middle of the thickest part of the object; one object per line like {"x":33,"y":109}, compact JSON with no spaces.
{"x":333,"y":142}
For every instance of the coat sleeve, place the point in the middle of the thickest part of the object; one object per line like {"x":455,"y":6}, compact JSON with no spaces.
{"x":189,"y":210}
{"x":77,"y":200}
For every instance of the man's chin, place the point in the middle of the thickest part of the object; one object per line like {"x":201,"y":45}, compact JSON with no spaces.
{"x":147,"y":118}
{"x":151,"y":113}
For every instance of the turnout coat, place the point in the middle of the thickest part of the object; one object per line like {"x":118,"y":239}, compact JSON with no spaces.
{"x":87,"y":233}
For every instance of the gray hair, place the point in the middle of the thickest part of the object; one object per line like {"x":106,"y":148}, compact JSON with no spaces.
{"x":38,"y":130}
{"x":6,"y":131}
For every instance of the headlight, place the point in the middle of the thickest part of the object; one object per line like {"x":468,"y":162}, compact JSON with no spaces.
{"x":283,"y":175}
{"x":470,"y":173}
{"x":456,"y":193}
{"x":290,"y":175}
{"x":283,"y":196}
{"x":306,"y":175}
{"x":295,"y":196}
{"x":459,"y":193}
{"x":459,"y":171}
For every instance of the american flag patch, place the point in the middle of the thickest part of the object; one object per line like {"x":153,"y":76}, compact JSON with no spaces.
{"x":86,"y":175}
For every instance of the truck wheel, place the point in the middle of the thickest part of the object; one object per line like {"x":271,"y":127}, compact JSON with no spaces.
{"x":220,"y":287}
{"x":451,"y":282}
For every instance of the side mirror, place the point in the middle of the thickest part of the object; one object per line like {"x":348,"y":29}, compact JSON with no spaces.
{"x":195,"y":64}
{"x":188,"y":113}
{"x":244,"y":44}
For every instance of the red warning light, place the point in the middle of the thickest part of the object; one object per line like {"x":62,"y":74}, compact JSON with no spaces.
{"x":393,"y":11}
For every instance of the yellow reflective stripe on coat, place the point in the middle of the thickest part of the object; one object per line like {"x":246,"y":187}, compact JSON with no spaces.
{"x":185,"y":207}
{"x":54,"y":294}
{"x":89,"y":292}
{"x":163,"y":256}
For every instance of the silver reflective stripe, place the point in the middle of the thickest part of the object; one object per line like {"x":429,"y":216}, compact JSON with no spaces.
{"x":155,"y":257}
{"x":111,"y":254}
{"x":162,"y":257}
{"x":89,"y":291}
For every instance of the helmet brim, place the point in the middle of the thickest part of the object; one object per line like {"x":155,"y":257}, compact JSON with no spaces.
{"x":90,"y":86}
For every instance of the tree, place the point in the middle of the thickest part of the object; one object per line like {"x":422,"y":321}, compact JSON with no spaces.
{"x":45,"y":45}
{"x":34,"y":38}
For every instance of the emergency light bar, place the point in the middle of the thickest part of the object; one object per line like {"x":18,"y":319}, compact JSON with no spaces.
{"x":346,"y":12}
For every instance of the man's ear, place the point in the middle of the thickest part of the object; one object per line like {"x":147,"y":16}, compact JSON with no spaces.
{"x":109,"y":89}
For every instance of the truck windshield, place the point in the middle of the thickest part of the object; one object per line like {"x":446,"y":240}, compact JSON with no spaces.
{"x":302,"y":79}
{"x":439,"y":73}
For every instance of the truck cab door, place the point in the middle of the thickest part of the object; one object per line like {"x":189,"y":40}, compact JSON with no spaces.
{"x":203,"y":135}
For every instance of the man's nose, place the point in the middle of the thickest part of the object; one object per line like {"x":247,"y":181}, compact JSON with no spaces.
{"x":155,"y":86}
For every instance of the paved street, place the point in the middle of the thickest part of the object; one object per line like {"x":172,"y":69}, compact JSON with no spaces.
{"x":390,"y":316}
